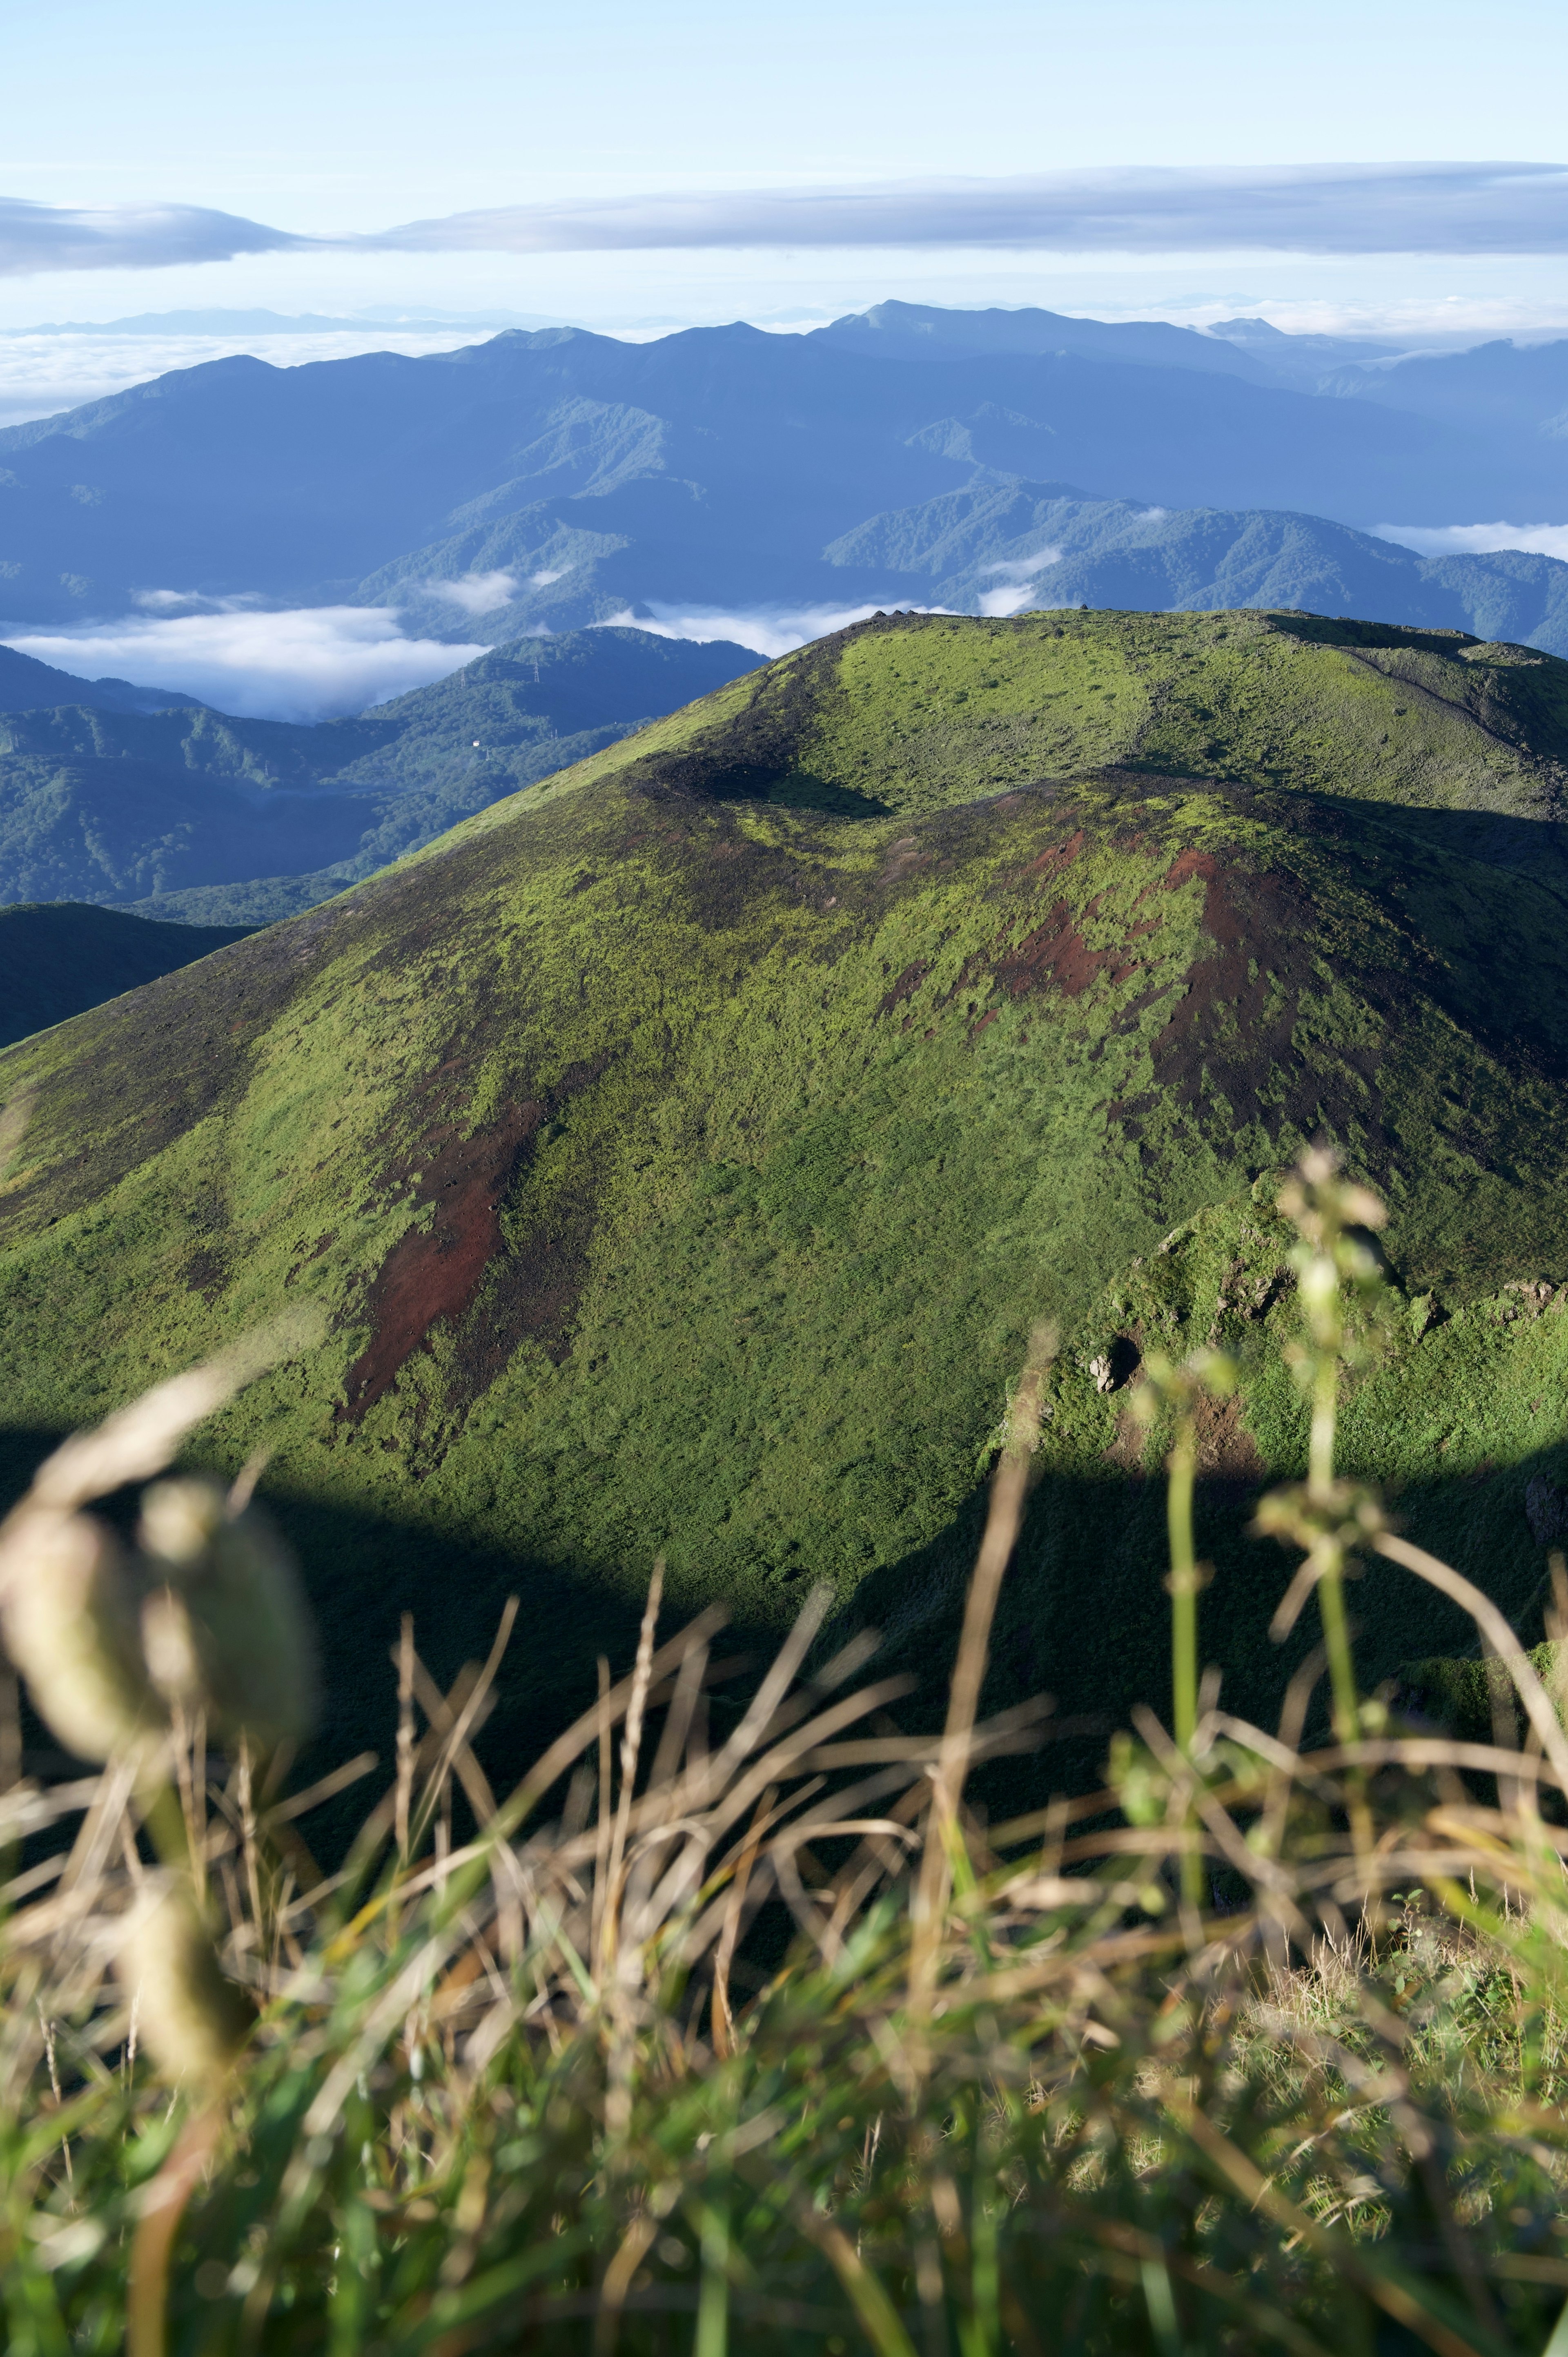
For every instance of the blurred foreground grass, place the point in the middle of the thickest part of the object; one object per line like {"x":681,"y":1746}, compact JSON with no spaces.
{"x":1258,"y":2048}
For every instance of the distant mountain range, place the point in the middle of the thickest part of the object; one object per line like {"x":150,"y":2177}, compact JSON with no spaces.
{"x":188,"y":813}
{"x":1000,"y":548}
{"x":571,"y":477}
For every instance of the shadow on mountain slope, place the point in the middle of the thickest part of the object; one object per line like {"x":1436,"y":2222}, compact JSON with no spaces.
{"x":1083,"y":1615}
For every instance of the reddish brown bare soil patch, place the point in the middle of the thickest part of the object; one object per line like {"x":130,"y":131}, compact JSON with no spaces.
{"x":908,"y":982}
{"x":1061,"y":854}
{"x":434,"y":1273}
{"x":1056,"y":956}
{"x":1187,"y":865}
{"x":1230,"y":1047}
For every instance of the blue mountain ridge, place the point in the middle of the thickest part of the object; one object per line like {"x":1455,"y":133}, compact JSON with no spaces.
{"x":711,"y":467}
{"x":1003,"y":547}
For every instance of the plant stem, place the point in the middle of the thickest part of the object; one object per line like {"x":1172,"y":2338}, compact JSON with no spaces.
{"x":1331,"y":1583}
{"x":1336,"y":1643}
{"x":713,"y":2299}
{"x":1183,"y":1583}
{"x":1324,"y":1414}
{"x":1184,"y":1586}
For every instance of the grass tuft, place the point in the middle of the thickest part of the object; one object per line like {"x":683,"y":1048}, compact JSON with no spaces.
{"x":743,"y":2021}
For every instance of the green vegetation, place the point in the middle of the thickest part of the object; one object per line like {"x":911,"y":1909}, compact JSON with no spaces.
{"x":748,"y":2027}
{"x":680,"y":1151}
{"x":60,"y":958}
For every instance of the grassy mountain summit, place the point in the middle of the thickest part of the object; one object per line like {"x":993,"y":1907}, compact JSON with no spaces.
{"x":680,"y":1150}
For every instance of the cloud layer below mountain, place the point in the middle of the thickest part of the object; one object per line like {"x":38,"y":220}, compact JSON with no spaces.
{"x":1476,"y":539}
{"x":1324,"y":208}
{"x":309,"y":664}
{"x":770,"y":631}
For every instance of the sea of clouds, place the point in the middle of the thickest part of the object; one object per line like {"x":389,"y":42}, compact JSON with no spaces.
{"x":315,"y":662}
{"x":320,"y":663}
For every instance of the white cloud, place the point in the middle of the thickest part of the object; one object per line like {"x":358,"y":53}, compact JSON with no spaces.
{"x":1476,"y":539}
{"x":312,"y":662}
{"x":998,"y":603}
{"x":476,"y":592}
{"x":1466,"y":208}
{"x":128,"y":237}
{"x":543,"y":580}
{"x":1320,"y":209}
{"x":770,"y":631}
{"x":1023,"y":568}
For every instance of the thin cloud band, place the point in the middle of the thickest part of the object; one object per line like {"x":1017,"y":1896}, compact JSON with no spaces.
{"x":1331,"y":209}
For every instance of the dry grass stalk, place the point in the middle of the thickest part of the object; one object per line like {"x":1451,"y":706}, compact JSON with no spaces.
{"x":1029,"y":2086}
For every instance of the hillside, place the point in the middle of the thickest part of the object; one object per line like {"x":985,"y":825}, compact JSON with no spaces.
{"x":192,"y":815}
{"x":681,"y":1150}
{"x":60,"y":958}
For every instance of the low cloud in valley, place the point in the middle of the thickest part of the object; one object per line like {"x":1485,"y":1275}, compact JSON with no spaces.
{"x":1476,"y":539}
{"x":312,"y":662}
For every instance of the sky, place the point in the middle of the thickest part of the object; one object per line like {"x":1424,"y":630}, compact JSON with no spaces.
{"x":339,"y":121}
{"x":1397,"y":171}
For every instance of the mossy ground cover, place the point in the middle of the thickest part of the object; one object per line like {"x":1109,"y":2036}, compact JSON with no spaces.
{"x":940,"y":707}
{"x":681,"y":1152}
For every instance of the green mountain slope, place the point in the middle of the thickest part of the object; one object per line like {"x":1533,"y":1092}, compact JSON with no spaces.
{"x":57,"y":959}
{"x":195,"y":814}
{"x":680,"y":1151}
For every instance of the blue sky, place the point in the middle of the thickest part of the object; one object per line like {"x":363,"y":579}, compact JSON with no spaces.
{"x":337,"y":118}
